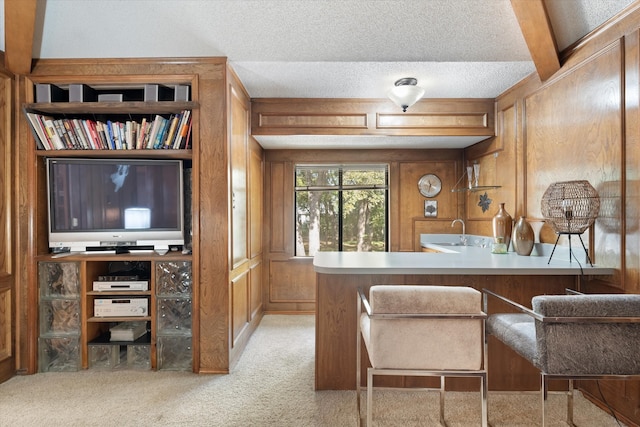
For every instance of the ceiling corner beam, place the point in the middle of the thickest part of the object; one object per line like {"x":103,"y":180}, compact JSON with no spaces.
{"x":19,"y":20}
{"x":538,"y":34}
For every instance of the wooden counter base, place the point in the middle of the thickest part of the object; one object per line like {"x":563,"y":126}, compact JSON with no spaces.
{"x":335,"y":364}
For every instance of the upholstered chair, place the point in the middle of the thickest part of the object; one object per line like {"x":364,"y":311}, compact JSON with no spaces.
{"x":421,"y":331}
{"x":577,"y":336}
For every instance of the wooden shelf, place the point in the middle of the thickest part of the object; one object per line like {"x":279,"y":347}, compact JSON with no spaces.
{"x":105,"y":340}
{"x":149,"y":153}
{"x":118,"y":319}
{"x":474,"y":189}
{"x":132,"y":293}
{"x":97,"y":256}
{"x":89,"y":108}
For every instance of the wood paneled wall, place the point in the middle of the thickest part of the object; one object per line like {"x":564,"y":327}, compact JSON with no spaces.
{"x":246,"y":207}
{"x":582,"y":123}
{"x":10,"y":324}
{"x":290,"y":281}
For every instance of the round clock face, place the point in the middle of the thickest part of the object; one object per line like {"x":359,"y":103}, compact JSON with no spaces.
{"x":429,"y":185}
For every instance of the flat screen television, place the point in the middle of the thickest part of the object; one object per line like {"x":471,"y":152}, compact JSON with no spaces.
{"x":115,"y":204}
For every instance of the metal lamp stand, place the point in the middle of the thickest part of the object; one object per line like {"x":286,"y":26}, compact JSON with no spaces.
{"x":570,"y":250}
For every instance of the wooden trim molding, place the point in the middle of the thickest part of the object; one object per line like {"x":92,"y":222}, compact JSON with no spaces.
{"x":331,"y":121}
{"x":475,"y":121}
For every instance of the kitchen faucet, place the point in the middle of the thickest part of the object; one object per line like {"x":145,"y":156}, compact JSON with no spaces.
{"x":463,"y":238}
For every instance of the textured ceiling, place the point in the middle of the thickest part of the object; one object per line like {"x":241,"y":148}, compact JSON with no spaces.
{"x":321,"y":48}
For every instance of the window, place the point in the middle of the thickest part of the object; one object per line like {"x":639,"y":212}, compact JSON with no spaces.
{"x":341,"y":208}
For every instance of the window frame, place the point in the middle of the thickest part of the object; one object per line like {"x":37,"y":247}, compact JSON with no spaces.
{"x":340,"y":188}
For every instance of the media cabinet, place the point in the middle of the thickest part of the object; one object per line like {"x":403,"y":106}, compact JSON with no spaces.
{"x":73,"y":337}
{"x":220,"y":304}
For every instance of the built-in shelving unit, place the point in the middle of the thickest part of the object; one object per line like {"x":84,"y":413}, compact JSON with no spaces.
{"x":72,"y":335}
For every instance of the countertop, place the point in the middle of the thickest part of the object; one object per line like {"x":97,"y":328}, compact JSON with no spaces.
{"x":472,"y":260}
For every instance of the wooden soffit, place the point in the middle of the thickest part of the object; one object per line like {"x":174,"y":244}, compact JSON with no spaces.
{"x":429,"y":117}
{"x":19,"y":20}
{"x":538,"y":34}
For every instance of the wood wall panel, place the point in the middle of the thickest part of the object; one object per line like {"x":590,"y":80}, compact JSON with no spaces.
{"x":239,"y":306}
{"x":8,"y":319}
{"x":292,"y":281}
{"x":584,"y":123}
{"x":211,"y":219}
{"x":255,"y":290}
{"x":6,"y":324}
{"x":496,"y":157}
{"x":256,"y":191}
{"x":574,"y":130}
{"x":239,"y":118}
{"x":632,"y":164}
{"x":276,"y":213}
{"x":411,"y":202}
{"x":6,"y":173}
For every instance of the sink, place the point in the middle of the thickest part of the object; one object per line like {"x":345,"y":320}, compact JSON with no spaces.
{"x":447,"y":243}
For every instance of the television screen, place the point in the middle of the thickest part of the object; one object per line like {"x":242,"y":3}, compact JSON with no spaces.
{"x":115,"y":203}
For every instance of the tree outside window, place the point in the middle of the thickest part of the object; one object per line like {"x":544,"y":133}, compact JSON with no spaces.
{"x":341,"y":208}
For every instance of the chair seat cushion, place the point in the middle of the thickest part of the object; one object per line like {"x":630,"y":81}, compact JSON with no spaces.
{"x":423,"y":343}
{"x":518,"y":331}
{"x":570,"y":348}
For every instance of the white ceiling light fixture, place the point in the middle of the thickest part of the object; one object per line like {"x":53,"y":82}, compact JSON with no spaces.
{"x":405,"y":93}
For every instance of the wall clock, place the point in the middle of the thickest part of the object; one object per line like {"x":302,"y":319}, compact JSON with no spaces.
{"x":429,"y":185}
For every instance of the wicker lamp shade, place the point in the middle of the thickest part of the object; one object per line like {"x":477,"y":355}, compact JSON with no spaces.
{"x":570,"y":207}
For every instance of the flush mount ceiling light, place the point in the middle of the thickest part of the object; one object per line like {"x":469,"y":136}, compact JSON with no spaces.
{"x":406,"y":92}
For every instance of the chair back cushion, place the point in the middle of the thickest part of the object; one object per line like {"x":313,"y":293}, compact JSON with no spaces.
{"x":588,"y":348}
{"x":430,"y":344}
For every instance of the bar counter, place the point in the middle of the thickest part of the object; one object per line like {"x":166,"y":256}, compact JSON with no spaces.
{"x":519,"y":278}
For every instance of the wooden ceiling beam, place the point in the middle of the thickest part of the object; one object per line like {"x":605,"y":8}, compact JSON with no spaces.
{"x":19,"y":20}
{"x":538,"y":34}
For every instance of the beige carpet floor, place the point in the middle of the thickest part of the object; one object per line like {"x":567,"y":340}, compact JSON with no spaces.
{"x":272,"y":385}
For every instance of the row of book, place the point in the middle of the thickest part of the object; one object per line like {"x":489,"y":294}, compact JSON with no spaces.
{"x":173,"y":132}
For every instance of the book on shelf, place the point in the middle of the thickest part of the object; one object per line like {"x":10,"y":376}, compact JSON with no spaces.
{"x":142,"y":131}
{"x":71,"y":133}
{"x":100,"y":129}
{"x":37,"y":128}
{"x":93,"y":131}
{"x":62,"y":133}
{"x":120,"y":130}
{"x":171,"y":133}
{"x":185,"y":132}
{"x":53,"y":134}
{"x":153,"y":132}
{"x":161,"y":132}
{"x":80,"y":133}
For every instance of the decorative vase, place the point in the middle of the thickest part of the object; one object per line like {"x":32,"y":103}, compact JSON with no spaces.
{"x":523,"y":237}
{"x":502,"y":225}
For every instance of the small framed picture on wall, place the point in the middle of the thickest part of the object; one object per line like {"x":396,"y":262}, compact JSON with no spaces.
{"x":431,"y":208}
